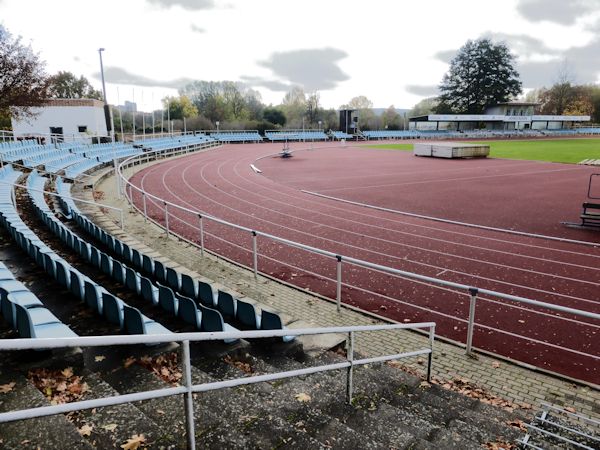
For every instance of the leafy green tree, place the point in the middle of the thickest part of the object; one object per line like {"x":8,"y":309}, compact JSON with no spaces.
{"x":482,"y":74}
{"x":391,"y":119}
{"x":67,"y":85}
{"x":313,"y":108}
{"x":294,"y":106}
{"x":23,"y":80}
{"x":179,"y":107}
{"x":274,"y":115}
{"x":426,"y":106}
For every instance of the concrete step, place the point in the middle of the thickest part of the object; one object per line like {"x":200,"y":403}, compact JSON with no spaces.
{"x":52,"y":432}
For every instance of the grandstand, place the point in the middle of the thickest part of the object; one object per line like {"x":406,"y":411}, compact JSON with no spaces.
{"x":243,"y":136}
{"x":295,"y":135}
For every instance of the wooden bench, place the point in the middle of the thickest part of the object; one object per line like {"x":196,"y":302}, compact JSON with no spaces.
{"x":591,"y":214}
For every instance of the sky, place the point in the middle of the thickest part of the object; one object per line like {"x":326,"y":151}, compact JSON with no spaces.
{"x":391,"y":51}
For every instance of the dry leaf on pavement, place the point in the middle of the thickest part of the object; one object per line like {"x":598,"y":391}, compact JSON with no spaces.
{"x":6,"y":388}
{"x":134,"y":442}
{"x":302,"y":397}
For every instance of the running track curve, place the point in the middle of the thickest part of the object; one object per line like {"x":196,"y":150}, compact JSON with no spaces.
{"x":220,"y":182}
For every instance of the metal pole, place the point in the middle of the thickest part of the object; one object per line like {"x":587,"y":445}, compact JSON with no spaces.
{"x":350,"y":369}
{"x":430,"y":357}
{"x":189,"y":398}
{"x":338,"y":291}
{"x":166,"y":217}
{"x":121,"y":220}
{"x":254,"y":255}
{"x":472,"y":301}
{"x":145,"y":209}
{"x":201,"y":235}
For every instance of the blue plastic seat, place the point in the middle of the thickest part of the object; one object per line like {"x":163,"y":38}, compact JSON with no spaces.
{"x":136,"y":259}
{"x":12,"y":293}
{"x":272,"y":321}
{"x":189,"y":312}
{"x":206,"y":295}
{"x":147,"y":265}
{"x":247,"y":316}
{"x":118,"y":272}
{"x":106,"y":264}
{"x":63,"y":276}
{"x":77,"y":284}
{"x":173,"y":279}
{"x":188,"y":286}
{"x":167,"y":300}
{"x":40,"y":323}
{"x":125,"y":252}
{"x":85,"y":250}
{"x":112,"y":309}
{"x":94,"y":257}
{"x":93,"y":296}
{"x":148,"y":290}
{"x":212,"y":321}
{"x":160,"y":272}
{"x":132,"y":280}
{"x":136,"y":323}
{"x":226,"y":305}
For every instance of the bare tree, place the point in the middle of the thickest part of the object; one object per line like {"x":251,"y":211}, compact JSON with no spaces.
{"x":23,"y":80}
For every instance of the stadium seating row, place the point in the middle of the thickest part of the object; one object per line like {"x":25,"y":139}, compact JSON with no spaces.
{"x":194,"y":301}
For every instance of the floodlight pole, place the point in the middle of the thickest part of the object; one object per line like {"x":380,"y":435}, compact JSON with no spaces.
{"x":109,"y":122}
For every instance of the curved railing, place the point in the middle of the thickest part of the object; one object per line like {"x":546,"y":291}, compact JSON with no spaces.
{"x":165,"y":214}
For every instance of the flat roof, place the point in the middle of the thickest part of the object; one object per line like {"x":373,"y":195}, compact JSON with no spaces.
{"x":496,"y":118}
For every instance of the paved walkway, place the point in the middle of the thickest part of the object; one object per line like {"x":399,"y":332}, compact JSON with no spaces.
{"x":517,"y":385}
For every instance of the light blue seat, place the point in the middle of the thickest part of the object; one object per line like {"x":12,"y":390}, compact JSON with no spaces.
{"x":94,"y":257}
{"x":132,"y":280}
{"x":118,"y":272}
{"x":206,"y":294}
{"x":40,"y":323}
{"x":136,"y":323}
{"x":147,"y":265}
{"x":212,"y":321}
{"x":93,"y":296}
{"x":63,"y":276}
{"x":173,"y":279}
{"x":272,"y":321}
{"x":247,"y":316}
{"x":112,"y":308}
{"x":226,"y":305}
{"x":77,"y":284}
{"x":125,"y":252}
{"x":85,"y":250}
{"x":148,"y":290}
{"x":160,"y":272}
{"x":188,"y":286}
{"x":12,"y":293}
{"x":136,"y":259}
{"x":106,"y":263}
{"x":189,"y":312}
{"x":167,"y":300}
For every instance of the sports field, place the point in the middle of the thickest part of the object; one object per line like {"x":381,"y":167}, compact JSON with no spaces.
{"x":557,"y":150}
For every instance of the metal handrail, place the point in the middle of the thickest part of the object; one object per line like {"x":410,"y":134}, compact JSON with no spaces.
{"x":472,"y":291}
{"x":188,"y":388}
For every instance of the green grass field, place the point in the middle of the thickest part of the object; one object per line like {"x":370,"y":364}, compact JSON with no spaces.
{"x":559,"y":150}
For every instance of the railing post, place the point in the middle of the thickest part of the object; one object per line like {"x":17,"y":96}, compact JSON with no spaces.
{"x":350,"y":369}
{"x":201,"y":235}
{"x":166,"y":217}
{"x":338,"y":290}
{"x":145,"y":207}
{"x":430,"y":358}
{"x":121,"y":219}
{"x":189,"y":397}
{"x":473,"y":299}
{"x":254,"y":255}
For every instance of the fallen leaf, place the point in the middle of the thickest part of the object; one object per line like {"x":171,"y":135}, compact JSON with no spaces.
{"x":424,"y":384}
{"x":99,"y":358}
{"x":6,"y":388}
{"x":110,"y":427}
{"x":86,"y":430}
{"x":302,"y":397}
{"x":495,"y":364}
{"x":134,"y":442}
{"x":128,"y":362}
{"x":68,"y":372}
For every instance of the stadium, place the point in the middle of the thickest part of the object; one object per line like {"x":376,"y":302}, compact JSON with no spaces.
{"x":346,"y":279}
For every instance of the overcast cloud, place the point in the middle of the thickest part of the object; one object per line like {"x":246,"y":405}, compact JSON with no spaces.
{"x":564,"y":12}
{"x":192,"y":5}
{"x":118,"y":75}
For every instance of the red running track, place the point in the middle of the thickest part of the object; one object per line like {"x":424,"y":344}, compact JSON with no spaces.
{"x":221,"y":183}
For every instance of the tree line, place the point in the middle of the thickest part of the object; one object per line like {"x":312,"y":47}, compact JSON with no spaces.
{"x":481,"y":74}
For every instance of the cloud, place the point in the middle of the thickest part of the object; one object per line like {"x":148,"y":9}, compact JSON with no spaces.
{"x":445,"y":55}
{"x":564,"y":12}
{"x":523,"y":45}
{"x":118,"y":75}
{"x":423,"y":90}
{"x":273,"y":85}
{"x":191,"y":5}
{"x":314,"y":69}
{"x":196,"y":29}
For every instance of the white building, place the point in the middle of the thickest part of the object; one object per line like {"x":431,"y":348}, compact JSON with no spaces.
{"x":64,"y":119}
{"x":504,"y":116}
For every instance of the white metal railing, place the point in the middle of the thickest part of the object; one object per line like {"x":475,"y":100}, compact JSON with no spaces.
{"x":474,"y":293}
{"x":189,"y":388}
